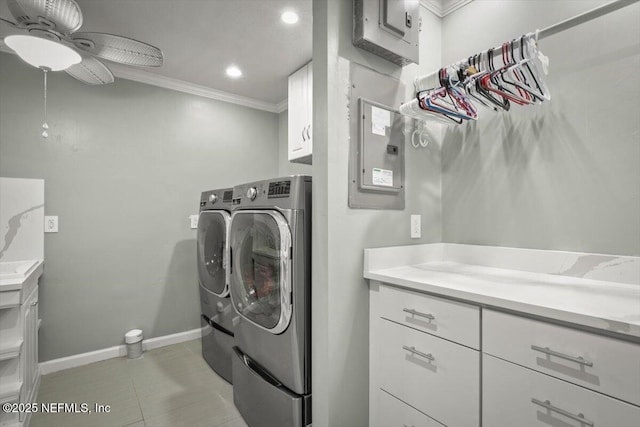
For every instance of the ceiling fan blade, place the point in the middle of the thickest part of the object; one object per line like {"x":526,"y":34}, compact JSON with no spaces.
{"x":91,"y":71}
{"x":63,"y":16}
{"x":118,"y":49}
{"x":6,"y":21}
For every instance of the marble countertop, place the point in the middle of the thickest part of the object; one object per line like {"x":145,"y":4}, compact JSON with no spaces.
{"x":13,"y":275}
{"x":605,"y":305}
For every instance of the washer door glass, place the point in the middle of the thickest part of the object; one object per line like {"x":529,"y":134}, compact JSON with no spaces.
{"x":260,"y":268}
{"x":212,"y":254}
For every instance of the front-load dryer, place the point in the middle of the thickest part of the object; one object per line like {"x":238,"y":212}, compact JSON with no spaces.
{"x":217,"y":314}
{"x":270,"y":284}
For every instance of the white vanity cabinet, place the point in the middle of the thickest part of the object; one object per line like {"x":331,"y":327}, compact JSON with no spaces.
{"x":300,"y":115}
{"x":29,"y":354}
{"x":437,"y":361}
{"x":19,"y":369}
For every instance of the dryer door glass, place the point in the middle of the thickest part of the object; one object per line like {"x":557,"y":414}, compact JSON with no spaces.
{"x":260,"y":268}
{"x":212,"y":257}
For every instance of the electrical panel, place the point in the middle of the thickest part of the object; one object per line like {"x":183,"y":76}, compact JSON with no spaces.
{"x":377,"y":140}
{"x":381,"y":148}
{"x":388,"y":28}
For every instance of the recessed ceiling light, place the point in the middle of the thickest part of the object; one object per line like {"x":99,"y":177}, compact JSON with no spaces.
{"x":234,"y":72}
{"x":289,"y":17}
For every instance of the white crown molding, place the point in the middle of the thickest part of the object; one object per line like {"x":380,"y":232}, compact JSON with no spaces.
{"x":142,"y":76}
{"x":282,"y":106}
{"x":442,"y":8}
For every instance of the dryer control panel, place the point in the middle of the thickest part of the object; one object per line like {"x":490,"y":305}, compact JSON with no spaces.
{"x":279,"y":189}
{"x":289,"y":192}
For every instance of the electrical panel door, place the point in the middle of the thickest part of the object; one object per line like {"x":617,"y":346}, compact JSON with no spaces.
{"x":388,"y":28}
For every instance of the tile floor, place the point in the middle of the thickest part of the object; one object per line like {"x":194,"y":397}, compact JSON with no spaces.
{"x":169,"y":386}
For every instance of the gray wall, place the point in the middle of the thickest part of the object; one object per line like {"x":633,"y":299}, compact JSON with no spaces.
{"x":285,"y":167}
{"x":564,"y":175}
{"x":123,"y":169}
{"x":340,"y":294}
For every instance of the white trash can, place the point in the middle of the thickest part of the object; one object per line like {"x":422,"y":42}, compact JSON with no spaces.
{"x":133,"y":339}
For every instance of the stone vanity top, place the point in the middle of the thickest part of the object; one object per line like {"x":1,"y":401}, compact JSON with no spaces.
{"x":14,"y":274}
{"x":592,"y":290}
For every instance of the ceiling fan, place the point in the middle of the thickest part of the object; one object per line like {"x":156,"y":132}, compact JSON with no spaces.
{"x":52,"y":42}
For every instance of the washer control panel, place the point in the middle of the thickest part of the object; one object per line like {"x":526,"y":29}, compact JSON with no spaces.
{"x":216,"y":198}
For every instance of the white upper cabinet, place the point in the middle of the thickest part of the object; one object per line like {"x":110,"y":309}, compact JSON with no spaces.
{"x":301,"y":115}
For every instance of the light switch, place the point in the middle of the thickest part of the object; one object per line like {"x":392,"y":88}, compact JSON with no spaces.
{"x":50,"y":224}
{"x":194,"y":221}
{"x":416,"y":231}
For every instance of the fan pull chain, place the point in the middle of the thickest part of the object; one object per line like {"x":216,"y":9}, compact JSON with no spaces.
{"x":45,"y":126}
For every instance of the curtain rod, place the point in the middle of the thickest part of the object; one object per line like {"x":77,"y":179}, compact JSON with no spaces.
{"x":561,"y":26}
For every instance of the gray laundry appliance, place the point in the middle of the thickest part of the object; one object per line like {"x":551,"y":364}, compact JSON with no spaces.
{"x":270,"y":284}
{"x":217,"y":314}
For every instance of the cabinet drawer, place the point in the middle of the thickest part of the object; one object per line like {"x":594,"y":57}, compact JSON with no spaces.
{"x":9,"y":299}
{"x":435,"y":376}
{"x":608,"y":365}
{"x":452,"y":320}
{"x":508,"y":393}
{"x":392,"y":412}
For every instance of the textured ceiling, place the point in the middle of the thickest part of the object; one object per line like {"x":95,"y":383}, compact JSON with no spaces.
{"x":200,"y":38}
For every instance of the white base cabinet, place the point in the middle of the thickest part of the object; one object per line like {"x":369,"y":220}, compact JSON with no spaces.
{"x":416,"y":357}
{"x":436,"y":376}
{"x":391,"y":411}
{"x":516,"y":396}
{"x":438,"y":362}
{"x":603,"y":364}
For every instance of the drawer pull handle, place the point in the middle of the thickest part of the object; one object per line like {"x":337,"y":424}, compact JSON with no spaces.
{"x":547,"y":405}
{"x":417,"y":313}
{"x":550,"y":352}
{"x":413,"y":350}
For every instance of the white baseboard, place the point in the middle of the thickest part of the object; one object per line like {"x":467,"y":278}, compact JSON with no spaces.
{"x":76,"y":360}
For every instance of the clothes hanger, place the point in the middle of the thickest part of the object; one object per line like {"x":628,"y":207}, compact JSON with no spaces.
{"x":530,"y":51}
{"x":452,"y":99}
{"x":492,"y":83}
{"x":513,"y":80}
{"x":436,"y":101}
{"x":472,"y":73}
{"x":500,"y":102}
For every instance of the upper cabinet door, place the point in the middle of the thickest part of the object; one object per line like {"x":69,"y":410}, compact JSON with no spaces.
{"x":300,"y":115}
{"x":296,"y":113}
{"x":309,"y":109}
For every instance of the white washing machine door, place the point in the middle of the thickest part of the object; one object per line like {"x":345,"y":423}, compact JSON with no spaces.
{"x":260,"y":280}
{"x":213,"y":229}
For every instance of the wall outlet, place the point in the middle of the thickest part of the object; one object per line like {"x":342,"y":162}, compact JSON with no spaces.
{"x":50,"y":224}
{"x":416,"y":231}
{"x":194,"y":221}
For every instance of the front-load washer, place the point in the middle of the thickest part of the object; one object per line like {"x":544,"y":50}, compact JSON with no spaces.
{"x":270,"y":285}
{"x":217,"y":314}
